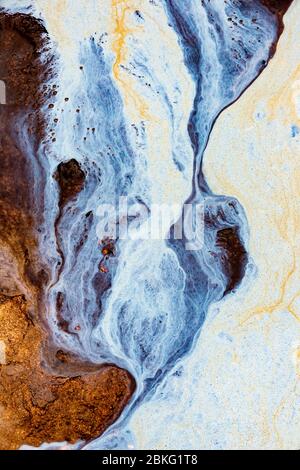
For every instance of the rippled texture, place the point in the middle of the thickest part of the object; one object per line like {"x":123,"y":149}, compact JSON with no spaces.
{"x":138,"y":87}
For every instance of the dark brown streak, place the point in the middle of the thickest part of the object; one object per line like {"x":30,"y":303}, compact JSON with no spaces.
{"x":46,"y":395}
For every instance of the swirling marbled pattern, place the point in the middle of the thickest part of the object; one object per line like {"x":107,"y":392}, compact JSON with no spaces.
{"x":139,"y":86}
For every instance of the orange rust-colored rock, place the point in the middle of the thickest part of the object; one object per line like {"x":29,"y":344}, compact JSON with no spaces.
{"x":37,"y":407}
{"x":46,"y":395}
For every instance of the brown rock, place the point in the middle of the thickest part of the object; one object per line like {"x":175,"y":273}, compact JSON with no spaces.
{"x":45,"y":395}
{"x":38,"y":407}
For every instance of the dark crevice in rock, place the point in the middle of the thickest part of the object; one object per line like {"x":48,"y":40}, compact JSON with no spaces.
{"x":70,"y":178}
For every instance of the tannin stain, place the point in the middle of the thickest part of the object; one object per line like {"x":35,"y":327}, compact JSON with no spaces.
{"x":37,"y":406}
{"x":21,"y":209}
{"x":234,"y":256}
{"x":46,"y":394}
{"x":228,"y":249}
{"x":278,"y":8}
{"x":70,"y":178}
